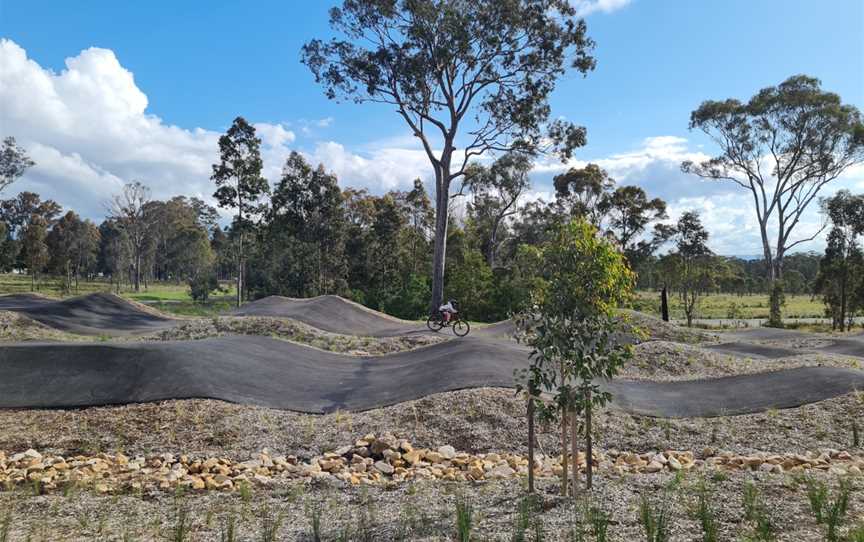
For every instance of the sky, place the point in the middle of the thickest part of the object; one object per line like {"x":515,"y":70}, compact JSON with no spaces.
{"x":100,"y":93}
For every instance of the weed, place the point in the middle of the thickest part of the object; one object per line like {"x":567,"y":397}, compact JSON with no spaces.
{"x":270,"y":524}
{"x":856,"y":435}
{"x":524,"y":514}
{"x":705,"y":514}
{"x":464,"y":519}
{"x":182,"y":523}
{"x":817,"y":494}
{"x":314,"y":514}
{"x":228,"y":530}
{"x":836,"y":511}
{"x":855,"y":535}
{"x":539,"y":533}
{"x":5,"y":526}
{"x":751,"y":501}
{"x":654,"y":521}
{"x":245,"y":491}
{"x":764,"y":530}
{"x":599,"y":520}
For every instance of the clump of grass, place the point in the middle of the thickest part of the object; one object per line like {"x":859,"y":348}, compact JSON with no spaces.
{"x":270,"y":524}
{"x":5,"y":525}
{"x":599,"y":520}
{"x":313,"y":512}
{"x":856,"y":534}
{"x":764,"y":530}
{"x":655,"y":521}
{"x":228,"y":531}
{"x":182,"y":523}
{"x":751,"y":501}
{"x":525,"y":513}
{"x":464,"y":519}
{"x":856,"y":435}
{"x":817,"y":494}
{"x":704,"y":513}
{"x":245,"y":491}
{"x":827,"y":511}
{"x":836,"y":511}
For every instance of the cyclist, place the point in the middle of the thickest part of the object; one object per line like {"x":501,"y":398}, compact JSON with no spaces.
{"x":447,"y":310}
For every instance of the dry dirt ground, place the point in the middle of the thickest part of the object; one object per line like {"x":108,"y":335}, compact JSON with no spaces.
{"x":476,"y":421}
{"x":482,"y":421}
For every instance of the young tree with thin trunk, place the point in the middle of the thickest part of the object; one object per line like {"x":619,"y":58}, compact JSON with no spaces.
{"x":468,"y":77}
{"x":782,"y":146}
{"x":841,"y":270}
{"x":240,"y":184}
{"x":496,"y":192}
{"x":689,"y":266}
{"x":572,"y":326}
{"x":13,"y":162}
{"x":34,"y":248}
{"x":128,"y":212}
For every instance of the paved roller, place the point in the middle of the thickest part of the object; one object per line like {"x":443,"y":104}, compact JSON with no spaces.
{"x":331,"y":313}
{"x":92,"y":314}
{"x":278,"y":374}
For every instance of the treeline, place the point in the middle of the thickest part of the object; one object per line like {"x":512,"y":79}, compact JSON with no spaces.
{"x":744,"y":276}
{"x":307,"y":236}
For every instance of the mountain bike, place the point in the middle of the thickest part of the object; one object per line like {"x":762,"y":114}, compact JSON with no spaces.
{"x":457,"y":322}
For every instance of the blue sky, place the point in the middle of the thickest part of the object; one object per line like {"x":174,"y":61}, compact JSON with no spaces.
{"x":200,"y":64}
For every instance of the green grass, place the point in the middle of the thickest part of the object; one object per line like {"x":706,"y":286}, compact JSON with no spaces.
{"x":719,"y":305}
{"x":168,"y":297}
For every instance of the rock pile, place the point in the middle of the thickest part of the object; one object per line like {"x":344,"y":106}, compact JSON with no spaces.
{"x":373,"y":460}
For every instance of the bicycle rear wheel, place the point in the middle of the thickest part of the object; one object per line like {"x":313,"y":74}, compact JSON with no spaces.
{"x":434,"y":323}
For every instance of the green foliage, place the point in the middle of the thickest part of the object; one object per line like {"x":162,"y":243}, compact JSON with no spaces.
{"x":776,"y":301}
{"x":182,"y":522}
{"x":386,"y":54}
{"x":751,"y":501}
{"x":809,"y":138}
{"x":690,"y":268}
{"x":464,"y":519}
{"x":655,"y":522}
{"x":14,"y":161}
{"x":202,"y":285}
{"x":470,"y":283}
{"x":5,"y":525}
{"x":271,"y":524}
{"x":705,"y":514}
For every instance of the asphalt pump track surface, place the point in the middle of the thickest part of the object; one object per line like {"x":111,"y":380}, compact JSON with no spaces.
{"x":92,"y":314}
{"x":279,"y":374}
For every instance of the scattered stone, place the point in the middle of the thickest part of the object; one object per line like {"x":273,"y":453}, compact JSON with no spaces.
{"x":377,"y":460}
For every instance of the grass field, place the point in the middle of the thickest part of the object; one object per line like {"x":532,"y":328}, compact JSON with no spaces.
{"x":724,"y":305}
{"x":165,"y":296}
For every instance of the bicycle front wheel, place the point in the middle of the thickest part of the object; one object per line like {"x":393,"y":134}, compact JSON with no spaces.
{"x":461,"y":328}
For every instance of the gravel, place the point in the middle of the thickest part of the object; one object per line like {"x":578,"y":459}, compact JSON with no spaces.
{"x":418,"y":512}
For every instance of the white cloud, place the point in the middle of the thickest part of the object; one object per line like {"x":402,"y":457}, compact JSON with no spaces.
{"x":88,"y":130}
{"x":587,"y":7}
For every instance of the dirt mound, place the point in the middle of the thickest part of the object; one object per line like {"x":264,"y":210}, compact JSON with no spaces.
{"x":330,"y":313}
{"x":656,"y":329}
{"x":92,"y":314}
